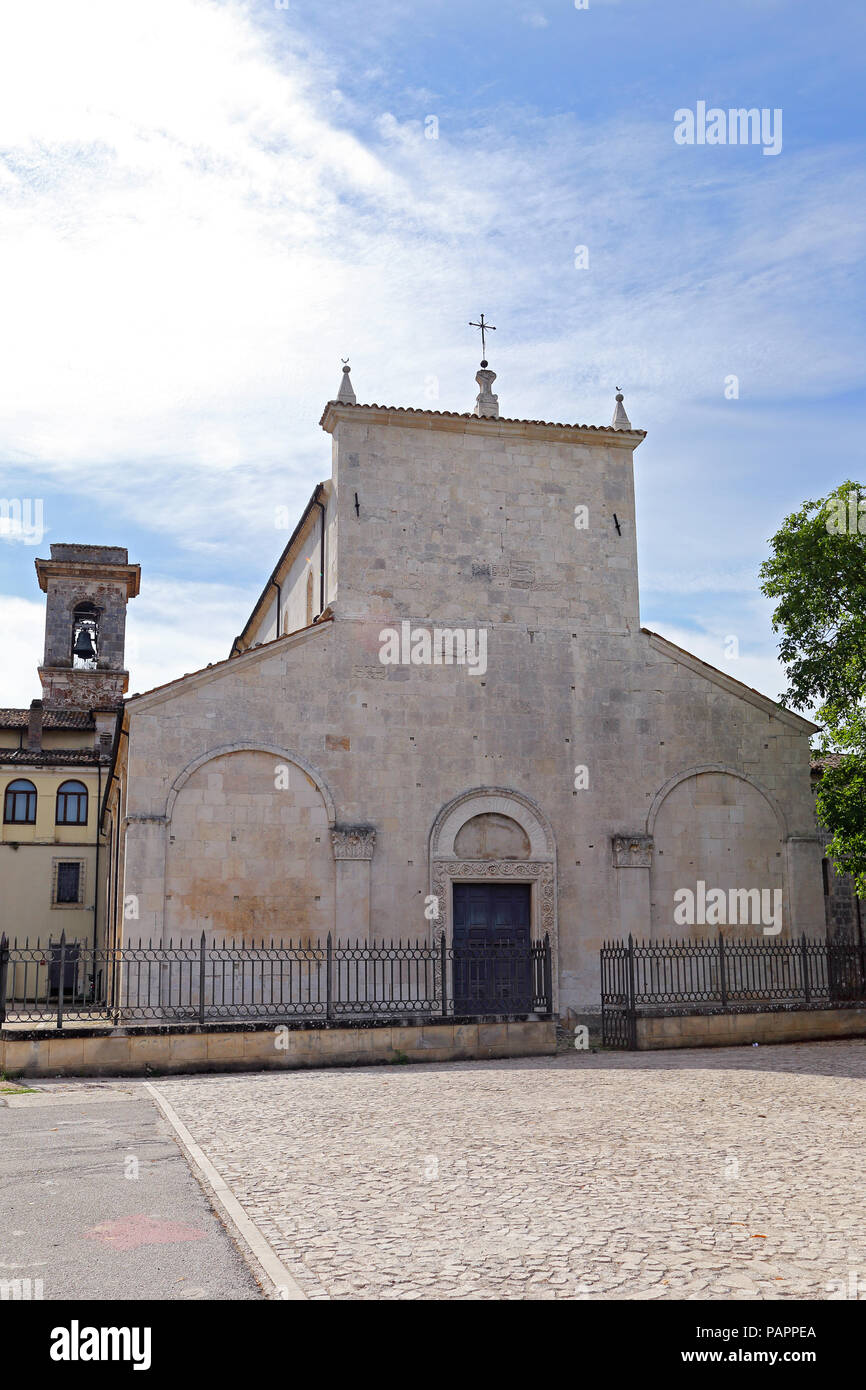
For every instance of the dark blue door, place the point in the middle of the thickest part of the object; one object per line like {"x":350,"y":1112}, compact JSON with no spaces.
{"x":492,"y":967}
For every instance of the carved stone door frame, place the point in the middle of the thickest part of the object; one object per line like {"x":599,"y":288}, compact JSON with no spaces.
{"x":539,"y":870}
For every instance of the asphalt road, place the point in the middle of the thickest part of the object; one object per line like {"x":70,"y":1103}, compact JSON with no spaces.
{"x":98,"y":1202}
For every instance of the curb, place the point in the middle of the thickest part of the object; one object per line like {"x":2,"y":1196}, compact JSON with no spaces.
{"x":249,"y":1238}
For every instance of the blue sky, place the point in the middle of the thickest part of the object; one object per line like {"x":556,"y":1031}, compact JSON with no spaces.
{"x":204,"y":206}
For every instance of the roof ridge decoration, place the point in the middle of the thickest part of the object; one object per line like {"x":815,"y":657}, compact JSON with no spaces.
{"x":620,"y":420}
{"x":346,"y":393}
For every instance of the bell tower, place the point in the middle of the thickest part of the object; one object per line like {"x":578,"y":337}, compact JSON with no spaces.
{"x":88,"y":588}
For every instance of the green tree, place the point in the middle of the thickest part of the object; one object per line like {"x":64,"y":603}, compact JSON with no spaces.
{"x":817,"y":574}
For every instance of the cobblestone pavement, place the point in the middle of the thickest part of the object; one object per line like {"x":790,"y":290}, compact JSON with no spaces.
{"x":724,"y":1173}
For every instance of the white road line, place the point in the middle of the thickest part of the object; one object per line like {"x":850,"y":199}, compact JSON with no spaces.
{"x":285,"y":1286}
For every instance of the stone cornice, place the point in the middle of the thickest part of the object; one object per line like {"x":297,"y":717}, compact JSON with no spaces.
{"x":88,"y":572}
{"x":496,"y":427}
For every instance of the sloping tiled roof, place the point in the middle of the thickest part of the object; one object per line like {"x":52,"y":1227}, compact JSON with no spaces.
{"x":46,"y":758}
{"x":822,"y":760}
{"x":470,"y":415}
{"x":51,"y":719}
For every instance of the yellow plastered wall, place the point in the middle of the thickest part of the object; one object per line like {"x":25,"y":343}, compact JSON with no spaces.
{"x":29,"y":855}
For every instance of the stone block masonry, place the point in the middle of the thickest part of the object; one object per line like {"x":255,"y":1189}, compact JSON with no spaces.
{"x":160,"y":1050}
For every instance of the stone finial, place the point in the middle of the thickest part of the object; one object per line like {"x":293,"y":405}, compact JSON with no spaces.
{"x":346,"y":393}
{"x":485,"y":402}
{"x":620,"y":420}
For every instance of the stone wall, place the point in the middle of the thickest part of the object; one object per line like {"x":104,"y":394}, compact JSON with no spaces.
{"x":718,"y":828}
{"x":733,"y":1030}
{"x":154,"y":1051}
{"x":249,"y":853}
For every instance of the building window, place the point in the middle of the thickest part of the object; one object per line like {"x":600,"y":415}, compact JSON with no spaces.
{"x":309,"y":598}
{"x":68,"y":888}
{"x":19,"y":806}
{"x":71,"y":804}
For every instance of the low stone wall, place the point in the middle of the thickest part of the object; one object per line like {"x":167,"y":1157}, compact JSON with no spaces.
{"x":731,"y":1030}
{"x":149,"y":1051}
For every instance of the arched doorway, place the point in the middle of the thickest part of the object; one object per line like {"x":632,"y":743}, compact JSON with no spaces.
{"x":493,"y":881}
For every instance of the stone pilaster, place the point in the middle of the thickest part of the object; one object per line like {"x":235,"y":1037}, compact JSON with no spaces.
{"x":805,"y":895}
{"x":353,"y":852}
{"x":144,"y":891}
{"x":632,"y":861}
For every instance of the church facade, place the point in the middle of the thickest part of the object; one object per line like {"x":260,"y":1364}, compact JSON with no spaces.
{"x":443,"y":715}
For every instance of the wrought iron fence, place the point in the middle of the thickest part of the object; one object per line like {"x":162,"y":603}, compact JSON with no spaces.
{"x":722,"y":975}
{"x":200,"y":982}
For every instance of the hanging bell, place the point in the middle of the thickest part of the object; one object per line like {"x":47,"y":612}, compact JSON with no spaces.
{"x":84,"y":647}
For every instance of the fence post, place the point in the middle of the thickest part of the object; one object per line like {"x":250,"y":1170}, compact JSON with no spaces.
{"x":443,"y":967}
{"x":329,"y":957}
{"x":4,"y":968}
{"x":62,"y":980}
{"x":113,"y":967}
{"x":632,"y":1016}
{"x":201,"y":974}
{"x":548,"y":974}
{"x":804,"y":969}
{"x":723,"y":980}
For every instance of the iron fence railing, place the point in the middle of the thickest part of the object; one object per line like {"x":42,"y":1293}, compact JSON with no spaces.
{"x":722,"y":975}
{"x":203,"y":981}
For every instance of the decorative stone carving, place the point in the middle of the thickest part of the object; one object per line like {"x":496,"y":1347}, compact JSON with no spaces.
{"x":632,"y":851}
{"x":445,"y":872}
{"x":353,"y":841}
{"x":67,"y":688}
{"x":490,"y":801}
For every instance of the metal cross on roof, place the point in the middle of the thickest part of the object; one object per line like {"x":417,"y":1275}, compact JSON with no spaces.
{"x":485,"y":329}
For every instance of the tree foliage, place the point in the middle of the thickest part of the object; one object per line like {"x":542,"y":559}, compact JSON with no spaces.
{"x":817,"y":574}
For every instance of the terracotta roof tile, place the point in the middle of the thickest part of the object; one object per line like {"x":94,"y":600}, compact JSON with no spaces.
{"x":46,"y":757}
{"x":51,"y":719}
{"x":822,"y":760}
{"x":469,"y":415}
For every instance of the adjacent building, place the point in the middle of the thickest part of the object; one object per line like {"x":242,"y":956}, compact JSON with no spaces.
{"x":55,"y":757}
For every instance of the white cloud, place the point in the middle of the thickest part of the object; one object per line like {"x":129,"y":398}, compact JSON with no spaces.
{"x":192,"y":240}
{"x":194,"y":236}
{"x":22,"y":623}
{"x":174,"y":628}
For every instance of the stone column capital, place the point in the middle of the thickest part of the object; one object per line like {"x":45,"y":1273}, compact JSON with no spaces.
{"x":632,"y":851}
{"x":353,"y":841}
